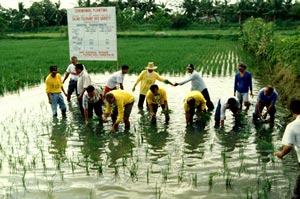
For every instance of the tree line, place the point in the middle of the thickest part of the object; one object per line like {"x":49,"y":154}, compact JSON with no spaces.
{"x":132,"y":13}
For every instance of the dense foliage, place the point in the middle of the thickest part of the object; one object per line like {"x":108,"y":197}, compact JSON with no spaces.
{"x":132,"y":13}
{"x":280,"y":53}
{"x":258,"y":38}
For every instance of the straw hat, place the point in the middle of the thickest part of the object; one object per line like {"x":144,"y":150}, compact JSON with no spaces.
{"x":151,"y":66}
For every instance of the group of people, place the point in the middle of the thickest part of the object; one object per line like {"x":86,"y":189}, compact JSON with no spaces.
{"x":119,"y":102}
{"x":92,"y":97}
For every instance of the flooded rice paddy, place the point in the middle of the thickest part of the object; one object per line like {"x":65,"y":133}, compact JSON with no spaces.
{"x":46,"y":157}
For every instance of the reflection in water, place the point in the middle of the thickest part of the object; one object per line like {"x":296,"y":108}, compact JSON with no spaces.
{"x":156,"y":137}
{"x":264,"y":141}
{"x":120,"y":145}
{"x":230,"y":139}
{"x":176,"y":153}
{"x":58,"y":140}
{"x":195,"y":140}
{"x":92,"y":145}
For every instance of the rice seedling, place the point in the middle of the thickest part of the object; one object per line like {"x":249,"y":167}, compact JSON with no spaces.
{"x":50,"y":192}
{"x":180,"y":176}
{"x":169,"y":163}
{"x":91,"y":194}
{"x":211,"y":180}
{"x":158,"y":191}
{"x":116,"y":167}
{"x":194,"y":179}
{"x":134,"y":55}
{"x":124,"y":161}
{"x":133,"y":171}
{"x":165,"y":174}
{"x":148,"y":175}
{"x":100,"y":168}
{"x":72,"y":166}
{"x":228,"y":182}
{"x":23,"y":178}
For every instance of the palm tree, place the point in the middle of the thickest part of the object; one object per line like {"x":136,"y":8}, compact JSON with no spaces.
{"x":190,"y":8}
{"x":275,"y":9}
{"x":207,"y":10}
{"x":244,"y":9}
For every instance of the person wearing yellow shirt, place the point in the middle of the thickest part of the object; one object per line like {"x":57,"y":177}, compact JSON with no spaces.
{"x":54,"y":87}
{"x":194,"y":100}
{"x":123,"y":102}
{"x":147,"y":78}
{"x":157,"y":96}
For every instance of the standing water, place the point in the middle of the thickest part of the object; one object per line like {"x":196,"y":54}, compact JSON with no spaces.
{"x":45,"y":157}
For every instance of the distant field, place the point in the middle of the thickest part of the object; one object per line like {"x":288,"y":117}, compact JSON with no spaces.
{"x":26,"y":61}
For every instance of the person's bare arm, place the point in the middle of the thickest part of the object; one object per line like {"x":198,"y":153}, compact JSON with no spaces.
{"x":285,"y":150}
{"x":66,"y":77}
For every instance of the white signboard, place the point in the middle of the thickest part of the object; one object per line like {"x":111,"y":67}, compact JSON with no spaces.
{"x":93,"y":33}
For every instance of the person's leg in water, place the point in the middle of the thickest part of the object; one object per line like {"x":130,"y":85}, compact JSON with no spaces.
{"x":218,"y":114}
{"x":141,"y":101}
{"x":297,"y":189}
{"x":166,"y":113}
{"x":62,"y":105}
{"x":154,"y":107}
{"x":272,"y":112}
{"x":114,"y":115}
{"x":98,"y":110}
{"x":127,"y":112}
{"x":245,"y":97}
{"x":209,"y":104}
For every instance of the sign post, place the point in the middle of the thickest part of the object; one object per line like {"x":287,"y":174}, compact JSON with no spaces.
{"x":93,"y":33}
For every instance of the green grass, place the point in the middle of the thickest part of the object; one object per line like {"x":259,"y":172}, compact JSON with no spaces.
{"x":26,"y":61}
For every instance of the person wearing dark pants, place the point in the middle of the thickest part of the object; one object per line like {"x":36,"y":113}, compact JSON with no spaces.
{"x":194,"y":100}
{"x":147,"y":78}
{"x":73,"y":78}
{"x":92,"y":101}
{"x":291,"y":139}
{"x":267,"y":97}
{"x":123,"y":102}
{"x":84,"y":80}
{"x":231,"y":103}
{"x":209,"y":104}
{"x":197,"y":85}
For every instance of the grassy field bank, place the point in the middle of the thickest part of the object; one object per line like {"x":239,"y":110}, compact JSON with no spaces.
{"x":26,"y":61}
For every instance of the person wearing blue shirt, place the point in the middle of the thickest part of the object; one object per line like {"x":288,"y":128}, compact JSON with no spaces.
{"x":267,"y":97}
{"x":242,"y":85}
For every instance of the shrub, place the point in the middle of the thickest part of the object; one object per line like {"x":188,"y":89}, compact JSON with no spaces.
{"x":257,"y":36}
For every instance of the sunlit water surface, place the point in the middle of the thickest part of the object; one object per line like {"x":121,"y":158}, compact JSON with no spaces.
{"x":45,"y":157}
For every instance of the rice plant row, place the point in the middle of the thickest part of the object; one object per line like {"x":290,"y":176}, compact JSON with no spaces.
{"x":25,"y":62}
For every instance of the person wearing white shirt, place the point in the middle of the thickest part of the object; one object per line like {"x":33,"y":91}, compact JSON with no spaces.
{"x":197,"y":85}
{"x":291,"y":139}
{"x":73,"y":78}
{"x":232,"y":103}
{"x":115,"y":79}
{"x":84,"y":80}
